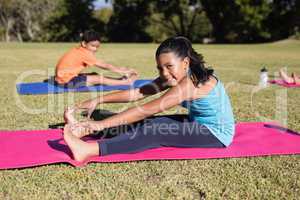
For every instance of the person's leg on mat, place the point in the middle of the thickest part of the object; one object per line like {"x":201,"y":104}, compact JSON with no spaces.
{"x":76,"y":82}
{"x":173,"y":131}
{"x":99,"y":79}
{"x":285,"y":77}
{"x":90,"y":79}
{"x":81,"y":150}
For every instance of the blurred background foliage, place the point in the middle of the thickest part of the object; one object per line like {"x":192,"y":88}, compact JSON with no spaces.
{"x":202,"y":21}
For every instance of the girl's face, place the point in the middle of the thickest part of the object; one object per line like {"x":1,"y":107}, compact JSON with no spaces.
{"x":91,"y":46}
{"x":172,"y":69}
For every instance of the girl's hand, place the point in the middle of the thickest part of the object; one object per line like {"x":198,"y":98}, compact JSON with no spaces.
{"x":69,"y":116}
{"x":82,"y":129}
{"x":79,"y":131}
{"x":91,"y":108}
{"x":88,"y":106}
{"x":76,"y":131}
{"x":89,"y":126}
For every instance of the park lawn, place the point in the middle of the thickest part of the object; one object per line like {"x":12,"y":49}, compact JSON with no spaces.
{"x":273,"y":177}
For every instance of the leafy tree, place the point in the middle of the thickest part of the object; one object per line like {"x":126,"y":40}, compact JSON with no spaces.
{"x":34,"y":15}
{"x":221,"y":15}
{"x":129,"y":20}
{"x":238,"y":20}
{"x":284,"y":18}
{"x":251,"y":26}
{"x":24,"y":20}
{"x":180,"y":17}
{"x":103,"y":16}
{"x":70,"y":19}
{"x":7,"y":17}
{"x":228,"y":21}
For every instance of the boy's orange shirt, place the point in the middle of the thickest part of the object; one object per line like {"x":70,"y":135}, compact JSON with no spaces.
{"x":72,"y":63}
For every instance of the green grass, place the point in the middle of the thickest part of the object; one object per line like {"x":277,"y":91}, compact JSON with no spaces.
{"x":273,"y":177}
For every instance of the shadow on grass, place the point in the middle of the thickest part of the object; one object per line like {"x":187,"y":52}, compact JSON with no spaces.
{"x":97,"y":115}
{"x":286,"y":130}
{"x":57,"y":145}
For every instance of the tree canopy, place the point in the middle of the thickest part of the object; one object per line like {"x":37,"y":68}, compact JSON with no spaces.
{"x":222,"y":21}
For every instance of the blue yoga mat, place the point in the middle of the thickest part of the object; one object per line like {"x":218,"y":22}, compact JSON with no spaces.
{"x":50,"y":88}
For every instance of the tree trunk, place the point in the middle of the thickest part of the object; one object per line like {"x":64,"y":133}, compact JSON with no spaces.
{"x":9,"y":25}
{"x":7,"y":37}
{"x":19,"y":36}
{"x":29,"y":24}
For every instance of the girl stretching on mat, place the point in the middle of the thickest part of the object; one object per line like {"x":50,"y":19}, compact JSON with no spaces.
{"x":77,"y":59}
{"x":293,"y":79}
{"x":182,"y":74}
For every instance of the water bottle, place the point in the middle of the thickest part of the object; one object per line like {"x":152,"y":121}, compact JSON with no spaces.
{"x":263,"y":80}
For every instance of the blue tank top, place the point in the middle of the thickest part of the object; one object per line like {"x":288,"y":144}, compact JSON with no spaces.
{"x":214,"y":111}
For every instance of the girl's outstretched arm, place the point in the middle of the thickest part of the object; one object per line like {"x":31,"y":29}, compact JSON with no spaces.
{"x":171,"y":98}
{"x":118,"y":97}
{"x":125,"y":96}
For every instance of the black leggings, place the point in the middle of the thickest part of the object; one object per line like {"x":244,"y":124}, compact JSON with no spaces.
{"x":160,"y":131}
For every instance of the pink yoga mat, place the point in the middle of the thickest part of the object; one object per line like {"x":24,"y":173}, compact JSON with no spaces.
{"x":284,"y":84}
{"x":21,"y":149}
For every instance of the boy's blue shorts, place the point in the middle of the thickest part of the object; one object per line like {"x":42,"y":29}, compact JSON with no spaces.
{"x":77,"y":81}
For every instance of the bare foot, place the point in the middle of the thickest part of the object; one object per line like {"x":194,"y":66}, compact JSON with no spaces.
{"x":296,"y":78}
{"x":285,"y":77}
{"x":80,"y":131}
{"x":81,"y":150}
{"x":129,"y":80}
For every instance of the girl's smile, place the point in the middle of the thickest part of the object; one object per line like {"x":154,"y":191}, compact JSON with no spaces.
{"x":172,"y":69}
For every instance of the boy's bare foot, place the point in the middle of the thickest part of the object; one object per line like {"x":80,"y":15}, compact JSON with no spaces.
{"x":129,"y":80}
{"x":81,"y":150}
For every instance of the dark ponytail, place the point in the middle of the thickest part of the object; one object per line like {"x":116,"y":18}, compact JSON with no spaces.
{"x":182,"y":48}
